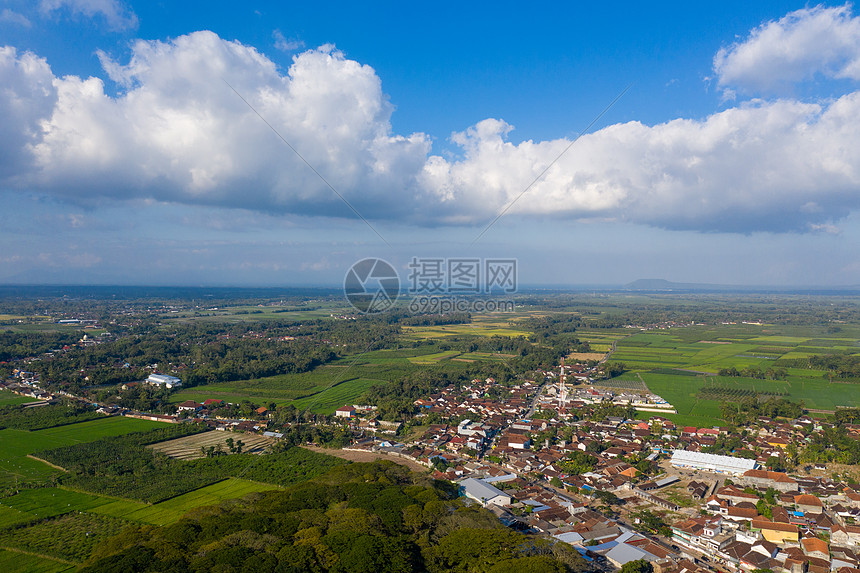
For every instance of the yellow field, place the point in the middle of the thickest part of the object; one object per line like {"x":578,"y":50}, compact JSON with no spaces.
{"x":586,"y":355}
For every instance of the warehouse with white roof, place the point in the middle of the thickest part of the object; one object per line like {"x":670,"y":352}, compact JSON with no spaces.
{"x":712,"y":462}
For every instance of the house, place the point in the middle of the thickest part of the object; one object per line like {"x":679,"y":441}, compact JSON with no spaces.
{"x":775,"y":532}
{"x":815,"y":547}
{"x":345,"y":412}
{"x":190,"y":406}
{"x":698,"y":489}
{"x":764,"y":479}
{"x":808,"y":503}
{"x":845,"y":535}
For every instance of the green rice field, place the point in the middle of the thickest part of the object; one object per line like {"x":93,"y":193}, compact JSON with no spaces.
{"x":708,"y":349}
{"x":330,"y":386}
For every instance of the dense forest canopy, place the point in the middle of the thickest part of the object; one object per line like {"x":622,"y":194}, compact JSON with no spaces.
{"x":358,"y":518}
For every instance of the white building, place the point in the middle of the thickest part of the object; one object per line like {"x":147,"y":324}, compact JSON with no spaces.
{"x":712,"y":462}
{"x":484,"y":493}
{"x":164,"y":380}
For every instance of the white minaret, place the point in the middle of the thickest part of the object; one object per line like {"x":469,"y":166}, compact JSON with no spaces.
{"x":562,"y":387}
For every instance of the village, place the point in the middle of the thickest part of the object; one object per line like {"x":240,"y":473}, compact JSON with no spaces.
{"x":620,"y":489}
{"x":567,"y":457}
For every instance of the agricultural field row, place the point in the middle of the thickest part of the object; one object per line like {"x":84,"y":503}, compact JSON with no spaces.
{"x":16,"y":445}
{"x":685,"y":392}
{"x":332,"y":385}
{"x":34,"y":505}
{"x":709,"y":349}
{"x":189,"y":447}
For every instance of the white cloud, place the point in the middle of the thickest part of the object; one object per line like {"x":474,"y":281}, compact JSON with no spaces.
{"x":804,"y":43}
{"x":13,"y":17}
{"x":28,"y":97}
{"x":116,"y":14}
{"x":179,"y":134}
{"x":285,"y":45}
{"x":753,"y":167}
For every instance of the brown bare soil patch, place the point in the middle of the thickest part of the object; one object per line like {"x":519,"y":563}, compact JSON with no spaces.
{"x":367,"y":457}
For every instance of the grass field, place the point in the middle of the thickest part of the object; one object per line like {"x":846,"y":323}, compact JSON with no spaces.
{"x":8,"y":398}
{"x":665,"y":359}
{"x":683,"y":393}
{"x":45,"y":503}
{"x":708,"y":349}
{"x":13,"y":561}
{"x":486,"y":324}
{"x":171,"y":510}
{"x":433,"y":358}
{"x":330,"y":386}
{"x":15,"y":445}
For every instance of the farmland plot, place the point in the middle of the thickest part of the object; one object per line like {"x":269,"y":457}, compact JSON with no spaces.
{"x":189,"y":447}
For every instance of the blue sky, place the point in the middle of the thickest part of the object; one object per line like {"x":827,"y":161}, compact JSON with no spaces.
{"x":127,"y":158}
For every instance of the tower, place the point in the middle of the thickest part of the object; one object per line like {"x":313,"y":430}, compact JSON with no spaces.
{"x":562,"y":387}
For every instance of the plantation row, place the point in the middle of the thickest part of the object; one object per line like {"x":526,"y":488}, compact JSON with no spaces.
{"x":122,"y":466}
{"x":729,"y":393}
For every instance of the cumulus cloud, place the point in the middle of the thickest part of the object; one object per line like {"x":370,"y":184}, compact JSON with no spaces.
{"x":758,"y":166}
{"x":177,"y":133}
{"x":116,"y":14}
{"x":818,"y":41}
{"x":27,"y":98}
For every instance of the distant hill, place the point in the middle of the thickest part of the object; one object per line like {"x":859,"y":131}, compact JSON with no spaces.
{"x":662,"y":285}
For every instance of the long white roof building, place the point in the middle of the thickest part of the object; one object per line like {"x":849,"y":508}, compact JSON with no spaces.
{"x":712,"y":462}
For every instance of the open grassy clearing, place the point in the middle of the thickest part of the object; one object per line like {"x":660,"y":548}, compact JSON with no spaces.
{"x":46,"y":503}
{"x":433,"y":358}
{"x":188,"y":447}
{"x":8,"y":398}
{"x":171,"y":510}
{"x":16,"y":445}
{"x":489,"y":356}
{"x":327,"y":401}
{"x":17,"y":561}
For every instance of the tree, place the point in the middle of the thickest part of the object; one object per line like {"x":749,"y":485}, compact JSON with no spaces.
{"x":637,"y":566}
